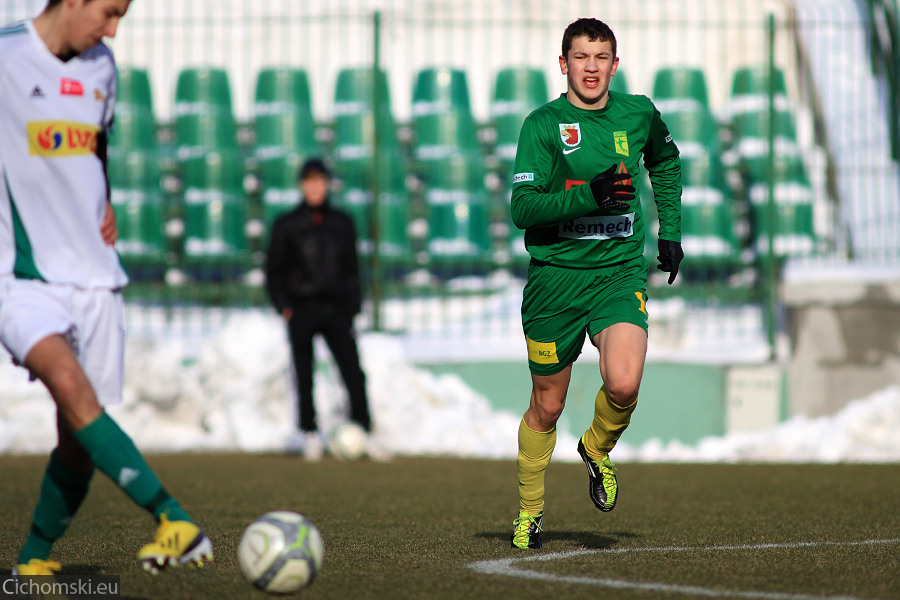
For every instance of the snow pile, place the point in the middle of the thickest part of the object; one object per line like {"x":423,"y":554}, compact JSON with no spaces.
{"x":233,"y":391}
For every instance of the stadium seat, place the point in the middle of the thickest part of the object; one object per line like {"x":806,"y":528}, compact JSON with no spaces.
{"x":517,"y":92}
{"x":282,"y":84}
{"x":137,"y":199}
{"x":213,"y":211}
{"x":793,"y":197}
{"x":279,"y":184}
{"x":707,"y":214}
{"x":680,"y":88}
{"x":750,"y":131}
{"x":457,"y":214}
{"x":133,"y":89}
{"x":200,"y":89}
{"x":440,"y":90}
{"x":441,"y":135}
{"x":198,"y":133}
{"x":619,"y":82}
{"x":134,"y":128}
{"x":754,"y":81}
{"x":283,"y":118}
{"x":695,"y":131}
{"x":355,"y":121}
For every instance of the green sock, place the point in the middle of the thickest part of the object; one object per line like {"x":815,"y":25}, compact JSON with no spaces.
{"x":62,"y":492}
{"x":116,"y":455}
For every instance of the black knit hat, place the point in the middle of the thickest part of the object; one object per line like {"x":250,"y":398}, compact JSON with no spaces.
{"x":313,"y":166}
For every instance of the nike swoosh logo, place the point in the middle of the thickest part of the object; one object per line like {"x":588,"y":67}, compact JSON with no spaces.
{"x":570,"y":150}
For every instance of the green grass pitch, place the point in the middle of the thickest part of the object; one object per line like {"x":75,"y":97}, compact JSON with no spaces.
{"x":438,"y":528}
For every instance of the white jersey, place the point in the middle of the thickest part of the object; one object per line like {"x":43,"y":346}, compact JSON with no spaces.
{"x":53,"y":190}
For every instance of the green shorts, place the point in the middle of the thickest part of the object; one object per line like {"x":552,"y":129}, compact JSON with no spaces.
{"x":560,"y":306}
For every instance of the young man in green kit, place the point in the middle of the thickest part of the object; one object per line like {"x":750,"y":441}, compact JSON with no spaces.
{"x":575,"y":193}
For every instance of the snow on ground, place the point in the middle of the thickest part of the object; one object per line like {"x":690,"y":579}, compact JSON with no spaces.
{"x":232,"y":391}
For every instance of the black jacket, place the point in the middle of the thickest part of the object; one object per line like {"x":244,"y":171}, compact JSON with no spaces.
{"x":312,"y":260}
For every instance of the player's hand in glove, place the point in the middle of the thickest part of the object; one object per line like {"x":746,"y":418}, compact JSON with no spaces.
{"x":670,"y":255}
{"x":609,"y":191}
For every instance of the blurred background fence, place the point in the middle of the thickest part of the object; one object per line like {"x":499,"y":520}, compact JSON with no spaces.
{"x":786,"y":114}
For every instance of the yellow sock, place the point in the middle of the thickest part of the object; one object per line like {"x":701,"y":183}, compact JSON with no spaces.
{"x":535,"y":449}
{"x":609,"y":421}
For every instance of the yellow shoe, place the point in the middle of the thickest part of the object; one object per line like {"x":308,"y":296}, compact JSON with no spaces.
{"x":177,"y":543}
{"x":36,"y":566}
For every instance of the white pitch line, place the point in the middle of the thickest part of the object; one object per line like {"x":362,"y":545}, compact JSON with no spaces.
{"x":504,"y":566}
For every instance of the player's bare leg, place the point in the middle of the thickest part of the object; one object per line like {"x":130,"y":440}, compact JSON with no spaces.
{"x":623,"y":349}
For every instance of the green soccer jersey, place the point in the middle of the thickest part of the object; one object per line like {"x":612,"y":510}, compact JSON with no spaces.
{"x":562,"y":146}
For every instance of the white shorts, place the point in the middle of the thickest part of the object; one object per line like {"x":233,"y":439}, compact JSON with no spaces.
{"x":93,"y":320}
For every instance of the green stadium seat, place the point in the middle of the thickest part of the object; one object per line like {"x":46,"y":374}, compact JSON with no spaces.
{"x":134,"y":128}
{"x":439,"y":136}
{"x":754,"y":81}
{"x":440,"y":90}
{"x":133,"y":89}
{"x":793,"y":196}
{"x":707,"y":214}
{"x":137,"y":199}
{"x":680,"y":88}
{"x":200,"y":89}
{"x":695,"y":131}
{"x":619,"y":82}
{"x":279,"y":185}
{"x":751,"y":133}
{"x":281,"y":84}
{"x":457,"y":214}
{"x":283,"y":118}
{"x":198,"y":133}
{"x":517,"y":92}
{"x":213,"y":208}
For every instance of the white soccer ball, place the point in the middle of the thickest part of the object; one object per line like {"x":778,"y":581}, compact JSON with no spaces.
{"x":281,"y":552}
{"x":348,"y":441}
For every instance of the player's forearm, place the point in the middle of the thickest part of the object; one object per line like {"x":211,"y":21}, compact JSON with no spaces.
{"x":665,"y":178}
{"x":532,"y":208}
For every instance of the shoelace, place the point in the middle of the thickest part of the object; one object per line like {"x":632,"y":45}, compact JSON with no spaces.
{"x":523,"y":524}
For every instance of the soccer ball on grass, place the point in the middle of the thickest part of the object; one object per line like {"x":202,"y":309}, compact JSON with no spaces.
{"x":348,"y":441}
{"x":281,"y":552}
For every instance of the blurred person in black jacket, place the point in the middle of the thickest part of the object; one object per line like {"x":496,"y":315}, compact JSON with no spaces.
{"x":312,"y":275}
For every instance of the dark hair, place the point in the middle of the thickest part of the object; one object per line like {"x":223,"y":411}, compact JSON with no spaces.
{"x":592,"y":29}
{"x":313,"y":166}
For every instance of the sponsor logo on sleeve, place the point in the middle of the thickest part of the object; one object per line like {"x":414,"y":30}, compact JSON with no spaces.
{"x":522,"y":177}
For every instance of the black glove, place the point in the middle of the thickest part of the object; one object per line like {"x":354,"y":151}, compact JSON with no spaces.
{"x":670,"y":255}
{"x":609,"y":191}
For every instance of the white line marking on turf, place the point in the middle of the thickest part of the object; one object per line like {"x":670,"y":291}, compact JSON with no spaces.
{"x":504,"y":566}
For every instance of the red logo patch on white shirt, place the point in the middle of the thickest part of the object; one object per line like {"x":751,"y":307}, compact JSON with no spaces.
{"x":70,"y":87}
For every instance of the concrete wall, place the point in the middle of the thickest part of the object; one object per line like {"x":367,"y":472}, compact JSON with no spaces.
{"x":844,"y":329}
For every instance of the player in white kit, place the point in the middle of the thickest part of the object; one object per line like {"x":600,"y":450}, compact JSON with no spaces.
{"x":61,"y":309}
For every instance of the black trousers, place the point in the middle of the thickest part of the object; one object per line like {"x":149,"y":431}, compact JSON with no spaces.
{"x":337,"y":330}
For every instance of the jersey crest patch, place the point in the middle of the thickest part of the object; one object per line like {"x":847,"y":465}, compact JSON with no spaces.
{"x":570,"y":133}
{"x":620,"y":141}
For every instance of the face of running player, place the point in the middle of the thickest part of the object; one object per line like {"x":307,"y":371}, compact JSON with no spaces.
{"x":92,"y":20}
{"x":315,"y":189}
{"x":588,"y":68}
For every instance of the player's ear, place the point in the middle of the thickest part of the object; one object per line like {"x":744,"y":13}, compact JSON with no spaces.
{"x":563,"y":65}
